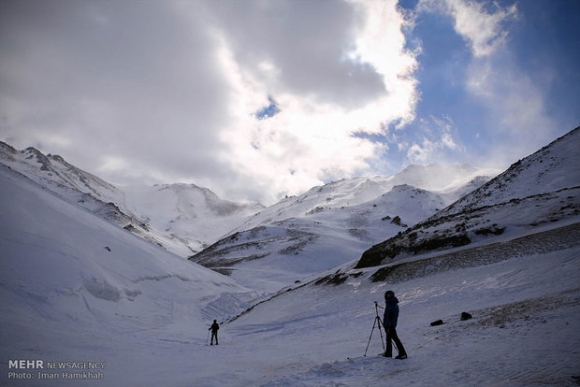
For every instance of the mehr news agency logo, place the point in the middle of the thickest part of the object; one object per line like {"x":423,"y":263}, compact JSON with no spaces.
{"x":52,"y":370}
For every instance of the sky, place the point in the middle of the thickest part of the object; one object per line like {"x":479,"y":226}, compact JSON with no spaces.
{"x":260,"y":99}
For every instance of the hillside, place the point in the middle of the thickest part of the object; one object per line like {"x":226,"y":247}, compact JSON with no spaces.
{"x":181,"y":218}
{"x":329,"y":323}
{"x":188,"y":216}
{"x":72,"y":284}
{"x":330,"y":225}
{"x":75,"y":288}
{"x":340,"y":219}
{"x":532,"y":195}
{"x":59,"y":256}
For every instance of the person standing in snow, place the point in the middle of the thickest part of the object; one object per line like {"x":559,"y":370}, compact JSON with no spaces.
{"x":214,"y":330}
{"x":390,"y":323}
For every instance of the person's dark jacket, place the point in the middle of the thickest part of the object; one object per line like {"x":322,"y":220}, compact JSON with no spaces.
{"x":214,"y":327}
{"x":391,"y":312}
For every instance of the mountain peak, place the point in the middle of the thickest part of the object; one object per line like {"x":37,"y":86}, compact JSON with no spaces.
{"x":534,"y":193}
{"x":552,"y":168}
{"x":6,"y":148}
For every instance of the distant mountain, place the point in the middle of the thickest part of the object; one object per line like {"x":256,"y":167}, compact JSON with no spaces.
{"x":298,"y":237}
{"x":70,"y":183}
{"x":182,"y":218}
{"x":539,"y":192}
{"x":333,"y":224}
{"x":186,"y":215}
{"x":186,"y":219}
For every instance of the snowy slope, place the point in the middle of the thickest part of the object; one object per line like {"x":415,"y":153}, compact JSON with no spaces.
{"x":70,"y":279}
{"x":524,"y":330}
{"x":190,"y":217}
{"x":185,"y":219}
{"x":181,"y":218}
{"x":327,"y":226}
{"x":54,"y":172}
{"x":553,"y":168}
{"x":144,"y":313}
{"x":75,"y":288}
{"x":541,"y":191}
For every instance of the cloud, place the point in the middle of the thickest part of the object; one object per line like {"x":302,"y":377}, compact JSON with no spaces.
{"x":305,"y":42}
{"x":255,"y":99}
{"x":169,"y":91}
{"x":334,"y":76}
{"x":512,"y":104}
{"x":480,"y":26}
{"x":114,"y":79}
{"x":517,"y":118}
{"x":437,"y":141}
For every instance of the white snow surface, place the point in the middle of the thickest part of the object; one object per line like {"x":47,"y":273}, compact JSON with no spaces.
{"x":293,"y":240}
{"x":75,"y":288}
{"x":183,"y":218}
{"x":331,"y":225}
{"x":535,"y":193}
{"x":189,"y":216}
{"x":553,"y":168}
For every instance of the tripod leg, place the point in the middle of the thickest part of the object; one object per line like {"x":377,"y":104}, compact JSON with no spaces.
{"x":377,"y":322}
{"x":369,"y":342}
{"x":381,"y":332}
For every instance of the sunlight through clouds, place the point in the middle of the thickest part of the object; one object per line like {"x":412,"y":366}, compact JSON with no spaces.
{"x":309,"y":141}
{"x":258,"y":99}
{"x":438,"y":142}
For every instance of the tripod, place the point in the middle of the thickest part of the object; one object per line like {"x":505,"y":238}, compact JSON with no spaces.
{"x":377,"y":323}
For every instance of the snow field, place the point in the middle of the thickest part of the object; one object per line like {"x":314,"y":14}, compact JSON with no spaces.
{"x":518,"y":336}
{"x":76,"y":288}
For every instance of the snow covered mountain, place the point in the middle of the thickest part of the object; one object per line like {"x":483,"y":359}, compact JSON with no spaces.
{"x":56,"y":172}
{"x":182,"y":218}
{"x":287,"y":238}
{"x":188,"y":217}
{"x":541,"y":191}
{"x":77,"y":291}
{"x":327,"y":226}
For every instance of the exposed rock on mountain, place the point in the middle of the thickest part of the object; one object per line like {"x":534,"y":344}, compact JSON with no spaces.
{"x":337,"y":221}
{"x":537,"y":191}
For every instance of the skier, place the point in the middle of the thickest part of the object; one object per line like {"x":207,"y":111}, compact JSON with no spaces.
{"x":214,"y":330}
{"x":390,"y":323}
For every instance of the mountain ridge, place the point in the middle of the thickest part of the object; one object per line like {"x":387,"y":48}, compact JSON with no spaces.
{"x":185,"y":218}
{"x":122,"y":206}
{"x":338,"y":221}
{"x":548,"y":180}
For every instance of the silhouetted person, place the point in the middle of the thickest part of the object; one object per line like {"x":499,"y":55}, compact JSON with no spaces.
{"x":214,"y":330}
{"x":390,"y":323}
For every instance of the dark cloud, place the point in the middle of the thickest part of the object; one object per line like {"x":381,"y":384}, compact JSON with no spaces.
{"x":307,"y":42}
{"x":134,"y":78}
{"x":137,"y":89}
